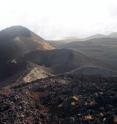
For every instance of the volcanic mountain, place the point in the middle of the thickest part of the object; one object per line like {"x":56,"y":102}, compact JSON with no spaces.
{"x":104,"y":49}
{"x":21,"y":40}
{"x":15,"y":42}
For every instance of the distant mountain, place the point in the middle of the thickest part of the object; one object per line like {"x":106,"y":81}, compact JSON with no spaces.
{"x":93,"y":42}
{"x":60,"y":43}
{"x":95,"y":36}
{"x":113,"y":35}
{"x":104,"y":49}
{"x":15,"y":42}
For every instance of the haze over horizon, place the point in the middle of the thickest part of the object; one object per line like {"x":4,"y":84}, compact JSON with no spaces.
{"x":59,"y":19}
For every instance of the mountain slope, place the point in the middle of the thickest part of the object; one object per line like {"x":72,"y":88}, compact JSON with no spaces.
{"x":35,"y":72}
{"x":15,"y":42}
{"x":62,"y":60}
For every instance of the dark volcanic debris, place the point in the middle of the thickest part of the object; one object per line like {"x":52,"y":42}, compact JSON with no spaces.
{"x":50,"y":101}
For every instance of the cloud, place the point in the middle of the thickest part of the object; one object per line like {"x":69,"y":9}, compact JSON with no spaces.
{"x":56,"y":19}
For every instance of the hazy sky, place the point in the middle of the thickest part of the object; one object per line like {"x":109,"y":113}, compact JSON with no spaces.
{"x":57,"y":19}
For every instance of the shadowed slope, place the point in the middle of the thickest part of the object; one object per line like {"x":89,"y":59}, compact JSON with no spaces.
{"x":62,"y":60}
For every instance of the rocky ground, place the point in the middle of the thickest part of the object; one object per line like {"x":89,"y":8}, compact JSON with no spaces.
{"x":63,"y":99}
